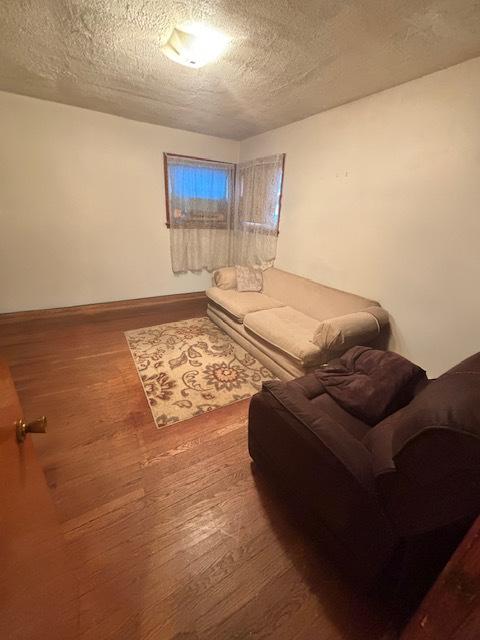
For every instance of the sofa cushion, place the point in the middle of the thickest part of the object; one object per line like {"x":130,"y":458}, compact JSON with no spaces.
{"x":288,"y":330}
{"x":312,"y":298}
{"x":239,"y":303}
{"x":281,"y":365}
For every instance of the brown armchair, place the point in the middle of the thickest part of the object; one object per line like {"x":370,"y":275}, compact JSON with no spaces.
{"x":371,"y":490}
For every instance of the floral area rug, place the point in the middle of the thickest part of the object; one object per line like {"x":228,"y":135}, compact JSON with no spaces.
{"x":190,"y":367}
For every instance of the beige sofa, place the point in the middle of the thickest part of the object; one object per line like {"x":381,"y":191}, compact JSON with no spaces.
{"x":294,"y":324}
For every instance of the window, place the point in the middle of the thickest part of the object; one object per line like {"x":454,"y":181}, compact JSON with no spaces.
{"x":199,"y":193}
{"x":259,"y":194}
{"x":222,"y":214}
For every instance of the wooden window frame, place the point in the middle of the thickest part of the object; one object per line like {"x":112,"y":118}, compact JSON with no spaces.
{"x":220,"y":162}
{"x":280,"y":197}
{"x":179,"y":155}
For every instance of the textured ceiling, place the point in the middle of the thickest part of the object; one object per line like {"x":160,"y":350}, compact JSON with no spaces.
{"x":287,"y":59}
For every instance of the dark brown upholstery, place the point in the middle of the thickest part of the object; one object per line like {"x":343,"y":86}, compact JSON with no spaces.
{"x":427,"y":455}
{"x":372,"y":488}
{"x":371,"y":384}
{"x":314,"y":450}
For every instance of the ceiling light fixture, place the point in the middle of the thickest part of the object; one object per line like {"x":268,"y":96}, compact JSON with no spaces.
{"x":195,"y":45}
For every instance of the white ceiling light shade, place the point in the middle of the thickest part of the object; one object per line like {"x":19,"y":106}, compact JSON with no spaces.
{"x":195,"y":45}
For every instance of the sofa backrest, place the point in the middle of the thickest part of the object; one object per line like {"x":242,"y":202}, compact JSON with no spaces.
{"x":427,"y":455}
{"x":309,"y":297}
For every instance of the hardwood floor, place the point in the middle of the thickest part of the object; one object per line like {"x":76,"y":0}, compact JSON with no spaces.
{"x":174,"y":534}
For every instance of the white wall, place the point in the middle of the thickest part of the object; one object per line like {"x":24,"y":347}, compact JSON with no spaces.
{"x":82,"y":205}
{"x":382,"y":197}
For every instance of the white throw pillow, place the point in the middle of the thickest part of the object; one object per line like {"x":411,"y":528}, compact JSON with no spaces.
{"x":249,"y":278}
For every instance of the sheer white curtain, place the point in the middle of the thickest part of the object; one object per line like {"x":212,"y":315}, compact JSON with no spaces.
{"x":200,"y":206}
{"x":222,"y":215}
{"x":258,"y":189}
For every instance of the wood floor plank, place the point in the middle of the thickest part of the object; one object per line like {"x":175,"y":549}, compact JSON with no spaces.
{"x":173,"y":534}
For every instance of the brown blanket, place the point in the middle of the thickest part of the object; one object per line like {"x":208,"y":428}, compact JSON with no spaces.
{"x":371,"y":384}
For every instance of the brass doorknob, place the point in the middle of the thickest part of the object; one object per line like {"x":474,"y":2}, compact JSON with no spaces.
{"x":35,"y":426}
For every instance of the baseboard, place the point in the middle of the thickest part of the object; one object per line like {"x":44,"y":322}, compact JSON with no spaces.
{"x":101,"y":307}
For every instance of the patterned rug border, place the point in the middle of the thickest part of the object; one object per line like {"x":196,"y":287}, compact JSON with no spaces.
{"x":139,"y":372}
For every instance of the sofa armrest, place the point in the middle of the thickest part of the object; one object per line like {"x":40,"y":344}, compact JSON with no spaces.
{"x":225,"y":278}
{"x":428,"y":481}
{"x":360,"y":328}
{"x":334,"y":444}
